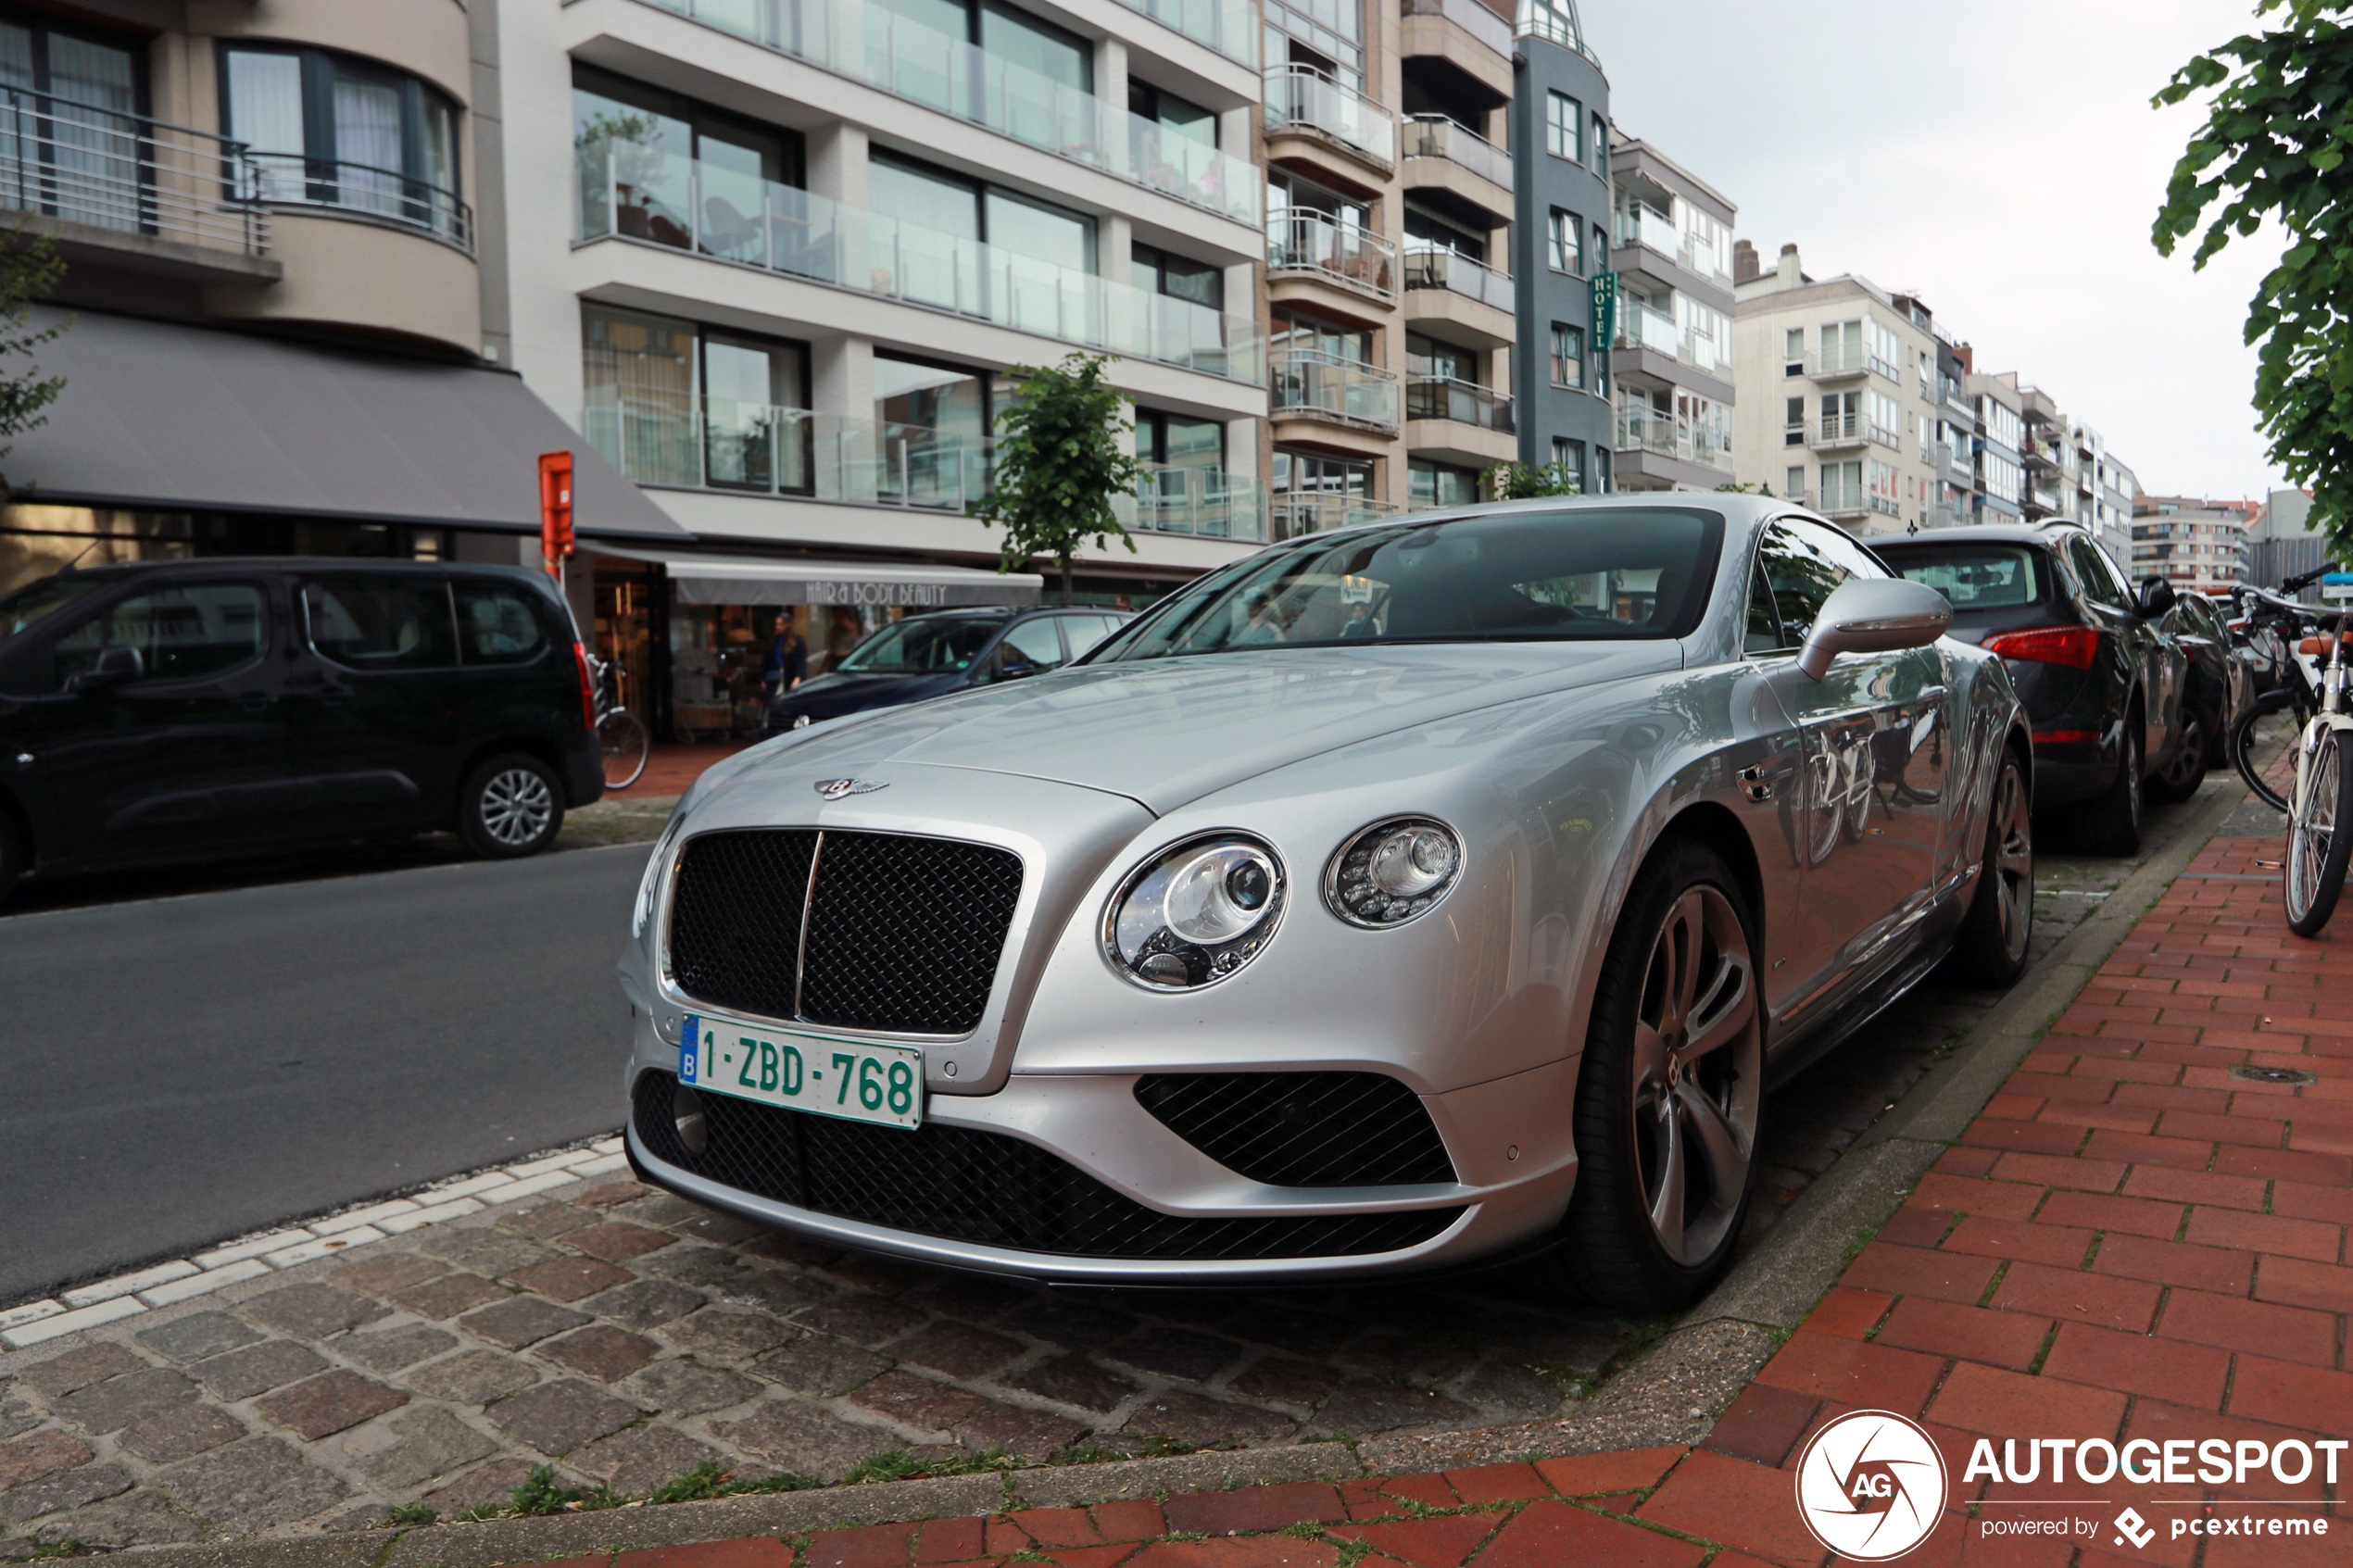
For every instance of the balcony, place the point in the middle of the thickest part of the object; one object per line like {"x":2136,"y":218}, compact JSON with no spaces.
{"x":1471,"y":17}
{"x":1231,"y":29}
{"x":1434,"y":136}
{"x":1843,"y":502}
{"x":1436,"y":268}
{"x":2043,"y":500}
{"x":1641,"y":325}
{"x":1554,"y":22}
{"x":2039,"y":452}
{"x":634,"y":192}
{"x":1645,"y":430}
{"x":1443,"y":397}
{"x":119,"y":183}
{"x":871,"y":45}
{"x":1295,"y":514}
{"x":797,"y":454}
{"x":358,"y":190}
{"x":1325,"y":386}
{"x":1309,"y":241}
{"x":1829,"y":367}
{"x":1837,"y":432}
{"x":1303,"y":98}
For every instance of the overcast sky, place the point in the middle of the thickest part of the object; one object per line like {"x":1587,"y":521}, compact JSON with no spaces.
{"x":1998,"y":157}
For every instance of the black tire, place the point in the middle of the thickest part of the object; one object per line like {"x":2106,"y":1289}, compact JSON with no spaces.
{"x":2243,"y":742}
{"x":2320,"y":837}
{"x":2178,"y":779}
{"x":1999,"y":927}
{"x":1636,"y":1093}
{"x":2111,"y":824}
{"x":511,"y":805}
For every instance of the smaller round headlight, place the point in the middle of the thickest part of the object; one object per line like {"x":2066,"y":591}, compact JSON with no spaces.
{"x":1195,"y":912}
{"x":1394,"y":871}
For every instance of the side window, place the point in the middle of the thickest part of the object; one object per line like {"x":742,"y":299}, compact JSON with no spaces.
{"x":2097,"y":572}
{"x":495,"y":624}
{"x":1764,"y":633}
{"x":378,"y":623}
{"x":1034,"y":642}
{"x":1801,"y":576}
{"x":180,"y":632}
{"x":1852,"y":558}
{"x":1085,"y":631}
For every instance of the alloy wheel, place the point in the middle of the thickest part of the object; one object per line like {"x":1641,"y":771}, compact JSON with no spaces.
{"x":517,"y":805}
{"x":2189,"y":758}
{"x":1697,"y":1078}
{"x":2014,"y":861}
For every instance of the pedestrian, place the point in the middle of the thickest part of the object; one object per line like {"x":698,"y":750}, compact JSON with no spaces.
{"x":786,"y":665}
{"x":845,"y":634}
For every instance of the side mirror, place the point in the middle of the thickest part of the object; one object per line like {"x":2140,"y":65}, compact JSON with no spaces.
{"x":1874,"y":615}
{"x":117,"y":666}
{"x":2155,"y":598}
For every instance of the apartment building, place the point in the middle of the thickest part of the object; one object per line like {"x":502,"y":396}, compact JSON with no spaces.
{"x":1564,"y":248}
{"x":2192,"y":541}
{"x":1839,"y":394}
{"x":1999,"y":466}
{"x":1954,"y":453}
{"x":275,"y":268}
{"x":1672,"y":357}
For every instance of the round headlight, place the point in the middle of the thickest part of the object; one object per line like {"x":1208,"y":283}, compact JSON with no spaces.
{"x":1195,"y":912}
{"x":1394,"y":871}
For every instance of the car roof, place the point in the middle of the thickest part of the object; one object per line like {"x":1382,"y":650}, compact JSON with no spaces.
{"x":1736,"y":506}
{"x":1014,"y":613}
{"x":126,"y":570}
{"x":1977,"y":533}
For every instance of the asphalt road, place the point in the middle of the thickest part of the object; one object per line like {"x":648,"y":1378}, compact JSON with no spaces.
{"x":189,"y":1069}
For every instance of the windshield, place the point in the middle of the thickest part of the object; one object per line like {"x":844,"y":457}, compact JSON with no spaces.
{"x":1569,"y":575}
{"x":39,"y":600}
{"x":1972,"y":576}
{"x":927,"y":644}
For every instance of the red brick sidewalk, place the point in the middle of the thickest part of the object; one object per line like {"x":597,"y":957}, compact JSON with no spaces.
{"x":672,"y":769}
{"x":2130,"y":1242}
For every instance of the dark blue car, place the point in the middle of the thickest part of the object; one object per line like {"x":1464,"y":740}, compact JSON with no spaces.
{"x":941,"y":651}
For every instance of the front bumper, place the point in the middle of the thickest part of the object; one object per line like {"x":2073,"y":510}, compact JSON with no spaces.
{"x":1082,"y":1160}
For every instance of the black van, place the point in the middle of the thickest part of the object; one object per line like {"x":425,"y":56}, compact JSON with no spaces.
{"x":192,"y":707}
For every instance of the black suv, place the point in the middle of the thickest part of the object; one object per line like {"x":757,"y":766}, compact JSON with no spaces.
{"x":941,"y":651}
{"x":192,"y":707}
{"x":2101,"y":677}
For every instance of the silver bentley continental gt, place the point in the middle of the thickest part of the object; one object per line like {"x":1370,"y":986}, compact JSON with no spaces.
{"x":1415,"y":894}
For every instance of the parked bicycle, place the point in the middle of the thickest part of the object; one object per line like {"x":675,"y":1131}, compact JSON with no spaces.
{"x":621,"y":735}
{"x":2320,"y":801}
{"x":2271,"y":626}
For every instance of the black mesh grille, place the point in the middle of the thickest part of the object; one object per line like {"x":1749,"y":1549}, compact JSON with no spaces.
{"x":964,"y":1184}
{"x":904,"y":933}
{"x":1303,"y":1129}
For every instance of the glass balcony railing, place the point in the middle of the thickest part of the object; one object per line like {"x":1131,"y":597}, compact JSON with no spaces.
{"x":722,"y":444}
{"x":1309,"y":241}
{"x":1646,"y":430}
{"x":1471,"y":17}
{"x":1443,"y":397}
{"x":1434,"y":136}
{"x":1300,"y":97}
{"x":1296,"y":513}
{"x":1839,"y":430}
{"x":1640,"y":224}
{"x":872,"y":45}
{"x":1232,"y":30}
{"x":95,"y":167}
{"x":1336,"y":388}
{"x":1555,"y":22}
{"x":644,"y":192}
{"x":1435,"y":268}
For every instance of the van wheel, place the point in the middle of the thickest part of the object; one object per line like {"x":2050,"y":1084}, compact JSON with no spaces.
{"x":511,"y":806}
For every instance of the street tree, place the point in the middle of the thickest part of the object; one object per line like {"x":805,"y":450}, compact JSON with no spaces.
{"x":1060,"y":459}
{"x":1530,"y":481}
{"x":2274,"y":145}
{"x":30,"y":270}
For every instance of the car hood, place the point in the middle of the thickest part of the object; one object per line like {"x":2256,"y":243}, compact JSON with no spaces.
{"x":1164,"y":731}
{"x":850,"y":687}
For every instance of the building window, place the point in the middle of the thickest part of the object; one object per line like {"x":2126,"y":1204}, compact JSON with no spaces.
{"x":1569,"y":457}
{"x":1841,"y":487}
{"x":91,"y":169}
{"x":924,"y":198}
{"x":1568,"y":355}
{"x":1794,"y":483}
{"x":1439,"y":485}
{"x":670,"y":403}
{"x":1568,"y":242}
{"x":330,"y":130}
{"x":1563,"y":127}
{"x":1178,"y":277}
{"x":1601,"y":146}
{"x":1793,"y":432}
{"x":1600,"y":251}
{"x":661,"y":168}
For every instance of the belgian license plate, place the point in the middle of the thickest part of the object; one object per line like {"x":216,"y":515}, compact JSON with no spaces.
{"x":850,"y":1079}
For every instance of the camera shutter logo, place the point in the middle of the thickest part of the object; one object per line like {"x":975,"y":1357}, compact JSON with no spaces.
{"x":1870,"y":1485}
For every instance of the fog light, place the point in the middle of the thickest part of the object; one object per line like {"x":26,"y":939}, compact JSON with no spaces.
{"x":686,"y":1110}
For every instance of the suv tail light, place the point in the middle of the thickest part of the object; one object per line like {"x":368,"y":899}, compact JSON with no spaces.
{"x":587,"y":689}
{"x":2070,"y":646}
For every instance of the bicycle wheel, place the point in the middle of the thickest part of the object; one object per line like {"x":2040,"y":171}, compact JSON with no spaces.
{"x":2318,"y":839}
{"x":2241,"y":744}
{"x":623,"y":736}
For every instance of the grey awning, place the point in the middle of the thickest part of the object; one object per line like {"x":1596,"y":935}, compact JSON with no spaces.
{"x":160,"y":416}
{"x":726,"y":579}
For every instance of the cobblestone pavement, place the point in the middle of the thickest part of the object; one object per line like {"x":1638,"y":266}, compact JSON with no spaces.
{"x":627,"y":1335}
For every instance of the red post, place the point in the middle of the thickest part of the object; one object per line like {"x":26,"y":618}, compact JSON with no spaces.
{"x":555,"y":510}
